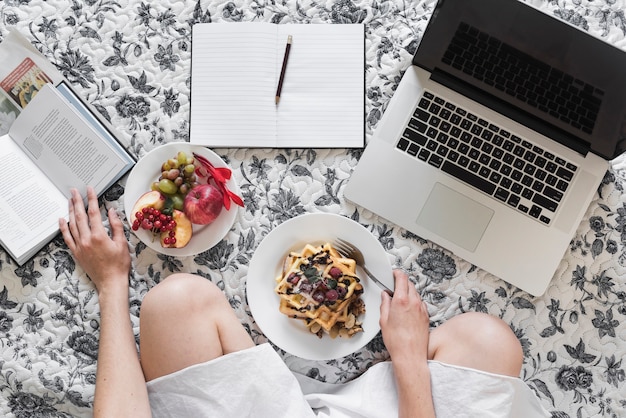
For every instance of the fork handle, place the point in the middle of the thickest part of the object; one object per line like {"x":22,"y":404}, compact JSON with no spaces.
{"x":375,"y":279}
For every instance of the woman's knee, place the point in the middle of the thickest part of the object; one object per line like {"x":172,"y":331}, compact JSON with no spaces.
{"x":478,"y":341}
{"x":183,"y":291}
{"x":182,"y":308}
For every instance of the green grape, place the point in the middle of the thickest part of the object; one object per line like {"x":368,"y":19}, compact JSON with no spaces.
{"x":189,"y":169}
{"x":177,"y":201}
{"x":182,"y":158}
{"x":155,"y":186}
{"x":167,"y":186}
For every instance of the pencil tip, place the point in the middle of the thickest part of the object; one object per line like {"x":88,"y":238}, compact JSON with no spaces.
{"x":277,"y":99}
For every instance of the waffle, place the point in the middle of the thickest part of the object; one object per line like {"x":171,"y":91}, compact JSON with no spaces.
{"x":321,"y":288}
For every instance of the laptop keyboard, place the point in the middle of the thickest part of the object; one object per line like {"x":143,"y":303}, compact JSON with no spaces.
{"x":519,"y":75}
{"x":503,"y":165}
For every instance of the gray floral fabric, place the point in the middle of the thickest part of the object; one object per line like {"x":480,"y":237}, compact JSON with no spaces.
{"x":131,"y":60}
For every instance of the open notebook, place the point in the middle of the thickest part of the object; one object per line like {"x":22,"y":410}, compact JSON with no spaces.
{"x":234,"y":74}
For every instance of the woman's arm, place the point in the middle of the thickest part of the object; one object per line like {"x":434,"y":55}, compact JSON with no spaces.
{"x":404,"y":324}
{"x":120,"y":385}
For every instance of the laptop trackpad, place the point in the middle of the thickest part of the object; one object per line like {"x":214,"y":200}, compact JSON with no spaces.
{"x":455,"y":217}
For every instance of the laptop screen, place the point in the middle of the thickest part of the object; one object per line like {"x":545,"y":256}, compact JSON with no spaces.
{"x":533,"y":68}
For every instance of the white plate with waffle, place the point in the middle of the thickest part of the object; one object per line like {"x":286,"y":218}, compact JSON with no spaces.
{"x":291,"y":334}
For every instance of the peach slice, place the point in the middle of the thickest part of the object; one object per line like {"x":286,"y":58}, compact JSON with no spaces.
{"x":182,"y":232}
{"x":149,"y":199}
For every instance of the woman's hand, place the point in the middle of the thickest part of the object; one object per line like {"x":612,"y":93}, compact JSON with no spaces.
{"x":404,"y":321}
{"x":105,"y":259}
{"x":404,"y":324}
{"x":120,"y":385}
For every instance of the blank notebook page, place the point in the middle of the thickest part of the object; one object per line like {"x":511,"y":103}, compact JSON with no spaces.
{"x":321,"y":103}
{"x":235,"y":71}
{"x":233,"y":84}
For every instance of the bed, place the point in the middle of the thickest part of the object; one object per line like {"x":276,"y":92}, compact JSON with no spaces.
{"x":131,"y":60}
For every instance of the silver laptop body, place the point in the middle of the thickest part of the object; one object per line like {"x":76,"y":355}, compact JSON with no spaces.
{"x":401,"y":178}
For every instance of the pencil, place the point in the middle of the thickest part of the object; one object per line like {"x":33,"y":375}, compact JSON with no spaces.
{"x":282,"y":70}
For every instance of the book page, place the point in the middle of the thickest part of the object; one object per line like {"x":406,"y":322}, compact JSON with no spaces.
{"x":30,"y":206}
{"x":63,"y":146}
{"x":16,"y":50}
{"x":322,"y":99}
{"x":233,"y":84}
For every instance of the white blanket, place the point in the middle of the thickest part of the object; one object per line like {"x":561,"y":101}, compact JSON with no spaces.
{"x":256,"y":382}
{"x":132,"y":58}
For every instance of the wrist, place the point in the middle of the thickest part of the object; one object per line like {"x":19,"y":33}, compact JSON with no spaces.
{"x":113,"y":288}
{"x":410,"y":368}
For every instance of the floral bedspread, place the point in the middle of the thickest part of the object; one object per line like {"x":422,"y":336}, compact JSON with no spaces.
{"x":131,"y":60}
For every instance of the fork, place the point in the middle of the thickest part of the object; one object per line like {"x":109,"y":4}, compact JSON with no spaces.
{"x":348,"y":250}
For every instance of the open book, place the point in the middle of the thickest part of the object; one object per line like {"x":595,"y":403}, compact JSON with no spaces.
{"x":54,"y":142}
{"x":235,"y":68}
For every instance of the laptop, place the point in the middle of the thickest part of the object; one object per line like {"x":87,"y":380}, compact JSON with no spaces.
{"x":497,"y":137}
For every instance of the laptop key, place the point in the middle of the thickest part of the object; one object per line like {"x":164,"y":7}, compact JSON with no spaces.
{"x":564,"y":174}
{"x":517,"y":188}
{"x":513,"y":200}
{"x":535,"y":211}
{"x":421,"y":114}
{"x":434,"y":108}
{"x":402,"y":144}
{"x":502,"y":194}
{"x":418,"y":125}
{"x":527,"y":193}
{"x":415,"y":137}
{"x":423,"y":154}
{"x":435,"y":160}
{"x":468,"y":177}
{"x":551,"y":167}
{"x":413,"y":149}
{"x":553,"y":194}
{"x":544,"y":202}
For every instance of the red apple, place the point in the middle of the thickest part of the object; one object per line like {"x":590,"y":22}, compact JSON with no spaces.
{"x":203,"y":204}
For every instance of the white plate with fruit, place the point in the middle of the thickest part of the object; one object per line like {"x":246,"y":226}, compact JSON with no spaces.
{"x":188,"y":184}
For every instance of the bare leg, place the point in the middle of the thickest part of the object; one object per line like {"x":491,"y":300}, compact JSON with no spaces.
{"x":186,"y":320}
{"x":478,"y":341}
